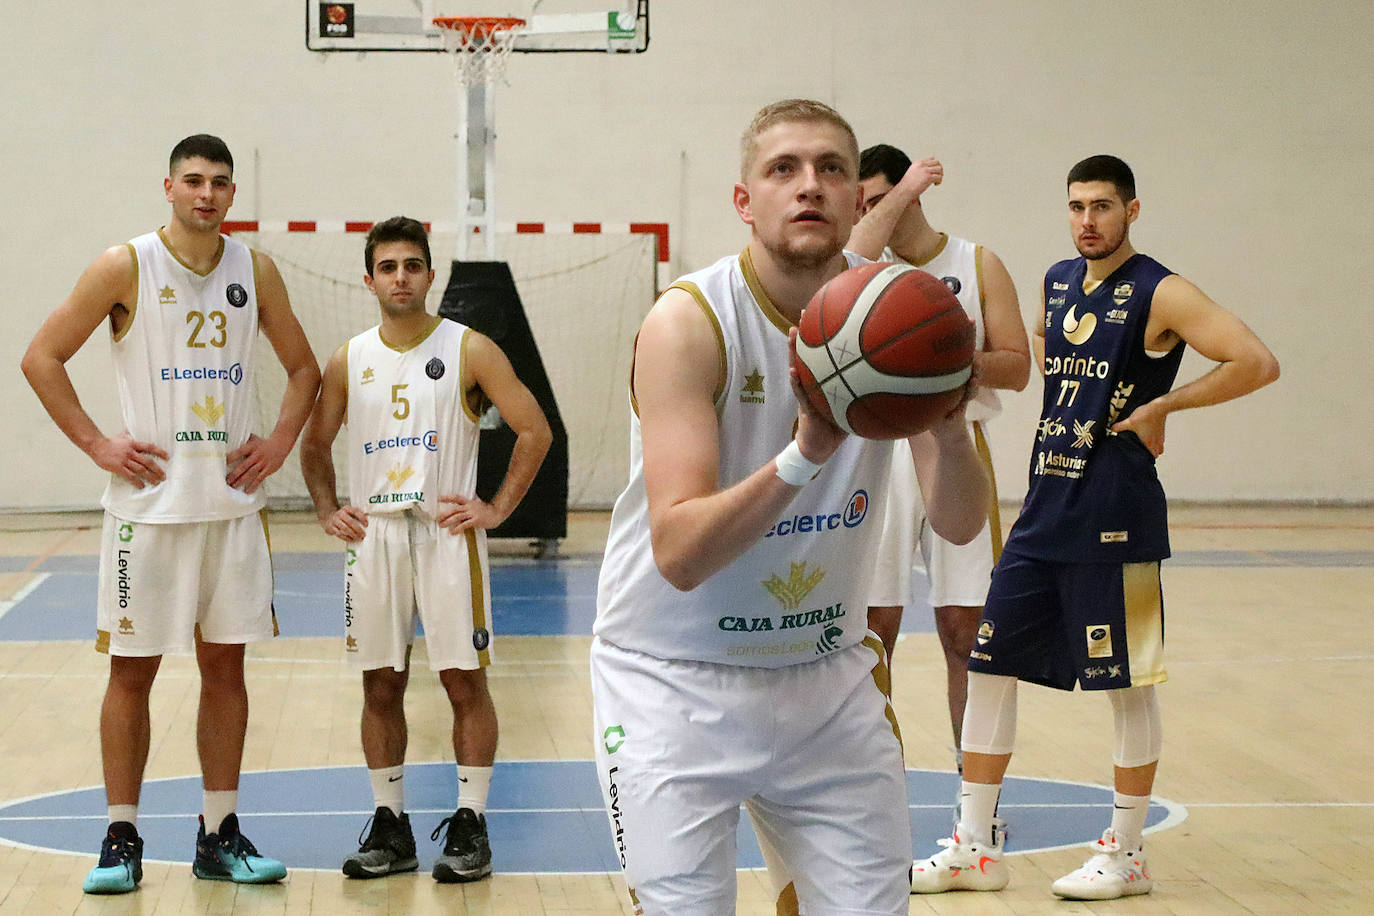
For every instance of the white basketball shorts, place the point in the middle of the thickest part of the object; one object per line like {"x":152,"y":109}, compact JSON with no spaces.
{"x":813,"y":748}
{"x":959,"y":574}
{"x":160,"y":585}
{"x":408,"y":569}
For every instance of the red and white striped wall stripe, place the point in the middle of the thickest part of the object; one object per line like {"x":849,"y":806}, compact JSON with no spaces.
{"x":660,"y":230}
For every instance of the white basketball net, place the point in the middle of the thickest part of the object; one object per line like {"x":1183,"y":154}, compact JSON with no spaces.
{"x":480,"y":48}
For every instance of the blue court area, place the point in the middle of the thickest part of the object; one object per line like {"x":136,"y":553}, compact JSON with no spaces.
{"x":529,"y":598}
{"x":543,"y":816}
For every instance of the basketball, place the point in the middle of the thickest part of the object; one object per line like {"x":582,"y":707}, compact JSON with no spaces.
{"x":884,"y":351}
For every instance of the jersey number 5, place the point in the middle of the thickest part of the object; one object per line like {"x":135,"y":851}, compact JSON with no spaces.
{"x":402,"y":404}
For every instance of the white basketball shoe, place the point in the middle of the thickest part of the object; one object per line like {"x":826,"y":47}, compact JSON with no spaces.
{"x":962,"y":866}
{"x":1111,"y":872}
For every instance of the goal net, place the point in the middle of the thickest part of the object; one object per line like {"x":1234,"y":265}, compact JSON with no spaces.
{"x":584,"y":292}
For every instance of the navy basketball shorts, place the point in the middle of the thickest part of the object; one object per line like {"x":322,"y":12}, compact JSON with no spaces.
{"x":1098,"y":625}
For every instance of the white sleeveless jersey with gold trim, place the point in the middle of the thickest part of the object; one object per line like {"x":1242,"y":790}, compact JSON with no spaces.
{"x":411,"y":435}
{"x":800,"y":592}
{"x":184,"y":373}
{"x":957,"y":265}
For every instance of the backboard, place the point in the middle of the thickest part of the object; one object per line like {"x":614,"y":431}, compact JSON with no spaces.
{"x":407,"y":25}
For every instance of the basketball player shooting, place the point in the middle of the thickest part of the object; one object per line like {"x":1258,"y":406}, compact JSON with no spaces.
{"x":732,"y":661}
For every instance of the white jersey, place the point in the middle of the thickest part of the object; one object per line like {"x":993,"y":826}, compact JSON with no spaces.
{"x":184,"y":373}
{"x":412,"y":437}
{"x":958,"y":265}
{"x":800,"y":592}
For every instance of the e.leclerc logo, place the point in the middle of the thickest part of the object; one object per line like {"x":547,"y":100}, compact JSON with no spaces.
{"x":233,"y":375}
{"x":430,"y":440}
{"x":853,"y":515}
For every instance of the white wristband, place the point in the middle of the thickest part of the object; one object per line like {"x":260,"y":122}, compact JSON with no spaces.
{"x":793,"y":467}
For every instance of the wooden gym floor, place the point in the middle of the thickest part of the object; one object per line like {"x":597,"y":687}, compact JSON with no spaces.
{"x":1269,"y":735}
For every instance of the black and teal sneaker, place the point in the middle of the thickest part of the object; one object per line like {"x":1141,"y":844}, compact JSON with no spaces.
{"x":227,"y":855}
{"x":121,"y":862}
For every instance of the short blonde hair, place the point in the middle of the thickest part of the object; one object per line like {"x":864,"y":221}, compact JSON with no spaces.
{"x":790,"y":110}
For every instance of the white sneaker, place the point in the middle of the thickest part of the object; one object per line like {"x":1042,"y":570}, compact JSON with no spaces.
{"x":1111,"y":872}
{"x":961,"y":866}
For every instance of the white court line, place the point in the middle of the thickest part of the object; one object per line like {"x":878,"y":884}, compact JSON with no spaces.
{"x":37,"y":580}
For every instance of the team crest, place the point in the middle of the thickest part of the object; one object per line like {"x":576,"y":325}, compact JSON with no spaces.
{"x":237,"y":295}
{"x":435,"y":368}
{"x":480,"y":638}
{"x":953,"y":284}
{"x":984,"y":632}
{"x":1123,"y":292}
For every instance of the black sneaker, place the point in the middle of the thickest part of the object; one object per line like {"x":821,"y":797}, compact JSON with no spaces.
{"x":389,"y":847}
{"x":121,"y":862}
{"x":227,"y":855}
{"x":467,"y":854}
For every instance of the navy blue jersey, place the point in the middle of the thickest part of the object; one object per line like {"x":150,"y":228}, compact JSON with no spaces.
{"x":1094,"y":496}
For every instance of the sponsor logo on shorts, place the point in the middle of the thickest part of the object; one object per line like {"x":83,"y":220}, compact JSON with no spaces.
{"x":124,"y":588}
{"x":1094,"y":672}
{"x":617,"y":827}
{"x":1099,"y":640}
{"x":985,"y":630}
{"x":435,"y":368}
{"x":752,"y":392}
{"x":480,"y":638}
{"x":126,"y":627}
{"x":981,"y":656}
{"x":430,"y":440}
{"x":853,"y":515}
{"x":236,"y":295}
{"x":953,"y":283}
{"x":796,"y":587}
{"x":613,"y":737}
{"x":348,"y":599}
{"x":350,"y":644}
{"x":126,"y":532}
{"x":1114,"y":537}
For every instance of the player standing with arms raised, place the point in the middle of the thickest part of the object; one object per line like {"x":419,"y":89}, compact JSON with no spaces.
{"x":184,"y":558}
{"x":732,"y":661}
{"x":1076,"y":596}
{"x":895,"y":228}
{"x":413,"y":390}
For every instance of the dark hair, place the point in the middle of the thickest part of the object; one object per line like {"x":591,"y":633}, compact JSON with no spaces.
{"x":1106,"y":168}
{"x":396,"y":229}
{"x":884,"y":160}
{"x":206,"y":146}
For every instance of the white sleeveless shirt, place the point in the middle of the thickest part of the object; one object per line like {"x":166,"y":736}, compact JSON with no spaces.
{"x":800,"y":592}
{"x":184,"y":375}
{"x":411,"y":435}
{"x":957,"y":265}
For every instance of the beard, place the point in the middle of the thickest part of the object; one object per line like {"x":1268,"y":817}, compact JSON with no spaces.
{"x":804,"y":255}
{"x":1109,"y":246}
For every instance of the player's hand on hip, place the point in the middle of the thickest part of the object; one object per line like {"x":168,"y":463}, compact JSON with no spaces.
{"x":253,"y":462}
{"x":347,"y":523}
{"x":1147,"y":422}
{"x":817,"y":437}
{"x":136,"y":462}
{"x":463,"y":513}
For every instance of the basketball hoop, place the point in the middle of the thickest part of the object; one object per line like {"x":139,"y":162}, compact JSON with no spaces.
{"x":479,"y":45}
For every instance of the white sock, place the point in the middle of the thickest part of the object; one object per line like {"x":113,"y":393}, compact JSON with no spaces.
{"x":1128,"y":819}
{"x":473,"y":784}
{"x":126,"y":813}
{"x":218,"y":805}
{"x":977,"y":808}
{"x":388,"y":788}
